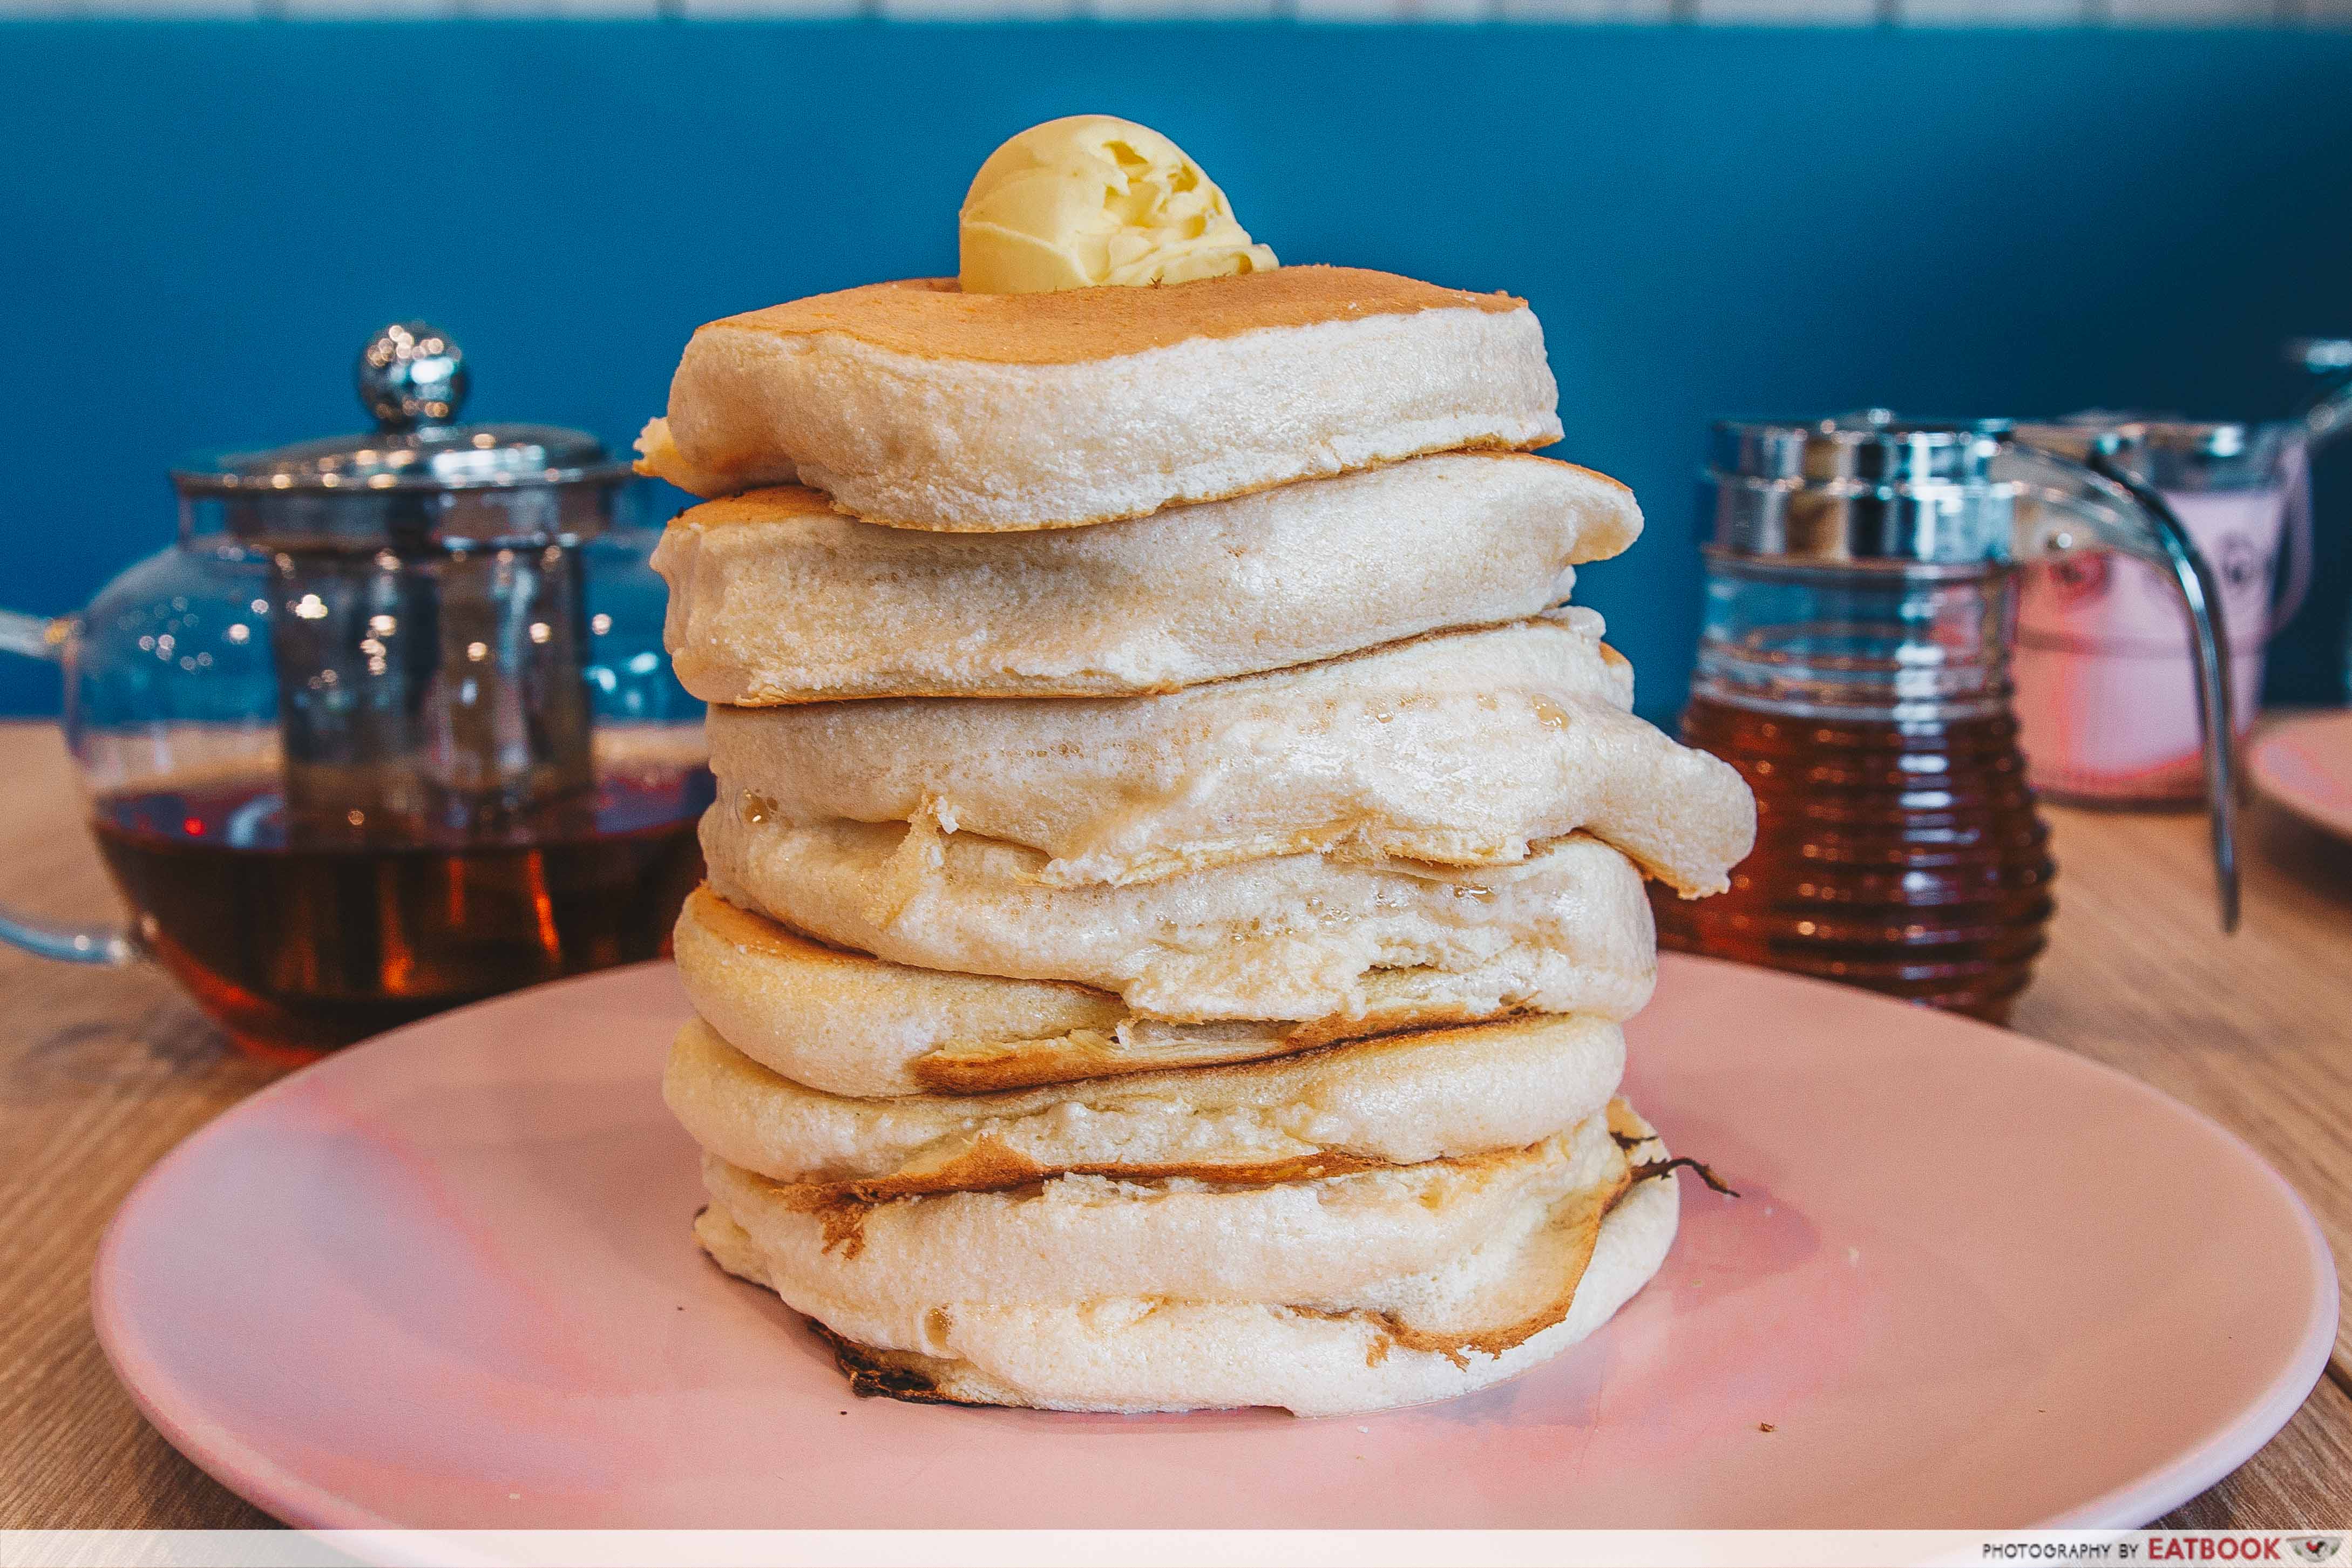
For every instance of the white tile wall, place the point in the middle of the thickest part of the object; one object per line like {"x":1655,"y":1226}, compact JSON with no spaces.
{"x":228,"y":8}
{"x":1593,"y":10}
{"x":1781,"y":12}
{"x":1392,"y":10}
{"x":1845,"y":12}
{"x":348,"y":10}
{"x":606,"y":9}
{"x":740,"y":9}
{"x":2188,"y":13}
{"x":975,"y":10}
{"x":1183,"y":10}
{"x":1998,"y":12}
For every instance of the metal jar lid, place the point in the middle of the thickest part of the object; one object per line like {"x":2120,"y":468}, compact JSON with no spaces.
{"x":2172,"y":453}
{"x":1862,"y":489}
{"x":420,"y":480}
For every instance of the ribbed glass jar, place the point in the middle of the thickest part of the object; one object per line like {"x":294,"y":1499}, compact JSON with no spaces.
{"x":1897,"y":844}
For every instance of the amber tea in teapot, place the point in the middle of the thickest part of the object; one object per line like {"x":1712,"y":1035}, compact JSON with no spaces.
{"x":299,"y":947}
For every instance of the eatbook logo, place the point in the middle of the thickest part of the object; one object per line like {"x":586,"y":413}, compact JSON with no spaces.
{"x":2232,"y":1546}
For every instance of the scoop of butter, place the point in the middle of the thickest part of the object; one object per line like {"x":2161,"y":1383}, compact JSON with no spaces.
{"x":1091,"y":200}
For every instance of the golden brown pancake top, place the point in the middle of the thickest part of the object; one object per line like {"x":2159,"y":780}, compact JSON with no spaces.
{"x":931,"y":319}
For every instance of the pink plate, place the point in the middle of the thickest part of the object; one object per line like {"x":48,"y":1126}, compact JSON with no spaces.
{"x":444,"y":1281}
{"x":2305,"y":765}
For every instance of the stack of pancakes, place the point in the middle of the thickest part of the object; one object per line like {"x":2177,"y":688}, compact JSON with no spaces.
{"x":1176,"y":876}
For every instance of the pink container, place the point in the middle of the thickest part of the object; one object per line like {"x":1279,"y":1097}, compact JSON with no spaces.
{"x":2106,"y":686}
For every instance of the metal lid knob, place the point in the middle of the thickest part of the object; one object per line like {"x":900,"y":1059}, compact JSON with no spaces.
{"x":412,"y":374}
{"x":523,"y":480}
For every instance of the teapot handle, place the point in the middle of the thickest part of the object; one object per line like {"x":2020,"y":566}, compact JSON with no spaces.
{"x":2127,"y":516}
{"x":39,"y":637}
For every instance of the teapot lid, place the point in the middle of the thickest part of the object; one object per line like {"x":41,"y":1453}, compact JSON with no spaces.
{"x":412,"y":378}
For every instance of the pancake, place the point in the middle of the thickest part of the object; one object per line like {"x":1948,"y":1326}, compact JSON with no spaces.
{"x":846,"y":1023}
{"x":1294,"y":937}
{"x":879,"y":1266}
{"x":1251,"y":1296}
{"x":1397,"y":1099}
{"x":917,"y":405}
{"x":776,"y":597}
{"x":1458,"y":749}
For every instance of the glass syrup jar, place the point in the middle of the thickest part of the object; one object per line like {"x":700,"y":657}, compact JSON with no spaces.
{"x":1854,"y":665}
{"x":389,"y":730}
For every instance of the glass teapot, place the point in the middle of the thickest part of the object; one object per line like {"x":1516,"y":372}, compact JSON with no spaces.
{"x":1854,"y":665}
{"x":389,"y":730}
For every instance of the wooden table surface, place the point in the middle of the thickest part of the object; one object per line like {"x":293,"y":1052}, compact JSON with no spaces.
{"x":102,"y":1071}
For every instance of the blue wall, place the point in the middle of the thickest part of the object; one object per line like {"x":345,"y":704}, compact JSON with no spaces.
{"x":200,"y":222}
